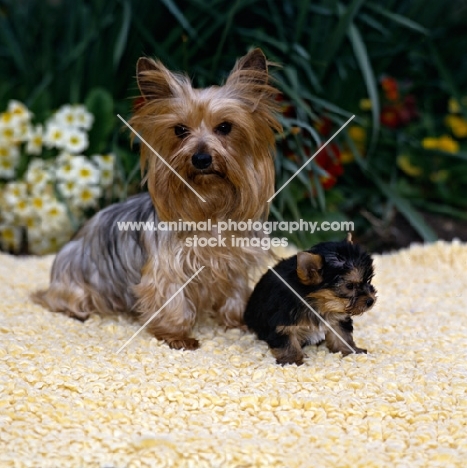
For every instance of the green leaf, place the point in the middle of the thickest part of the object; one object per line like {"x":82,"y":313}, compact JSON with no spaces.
{"x":334,"y":41}
{"x":449,"y":82}
{"x":7,"y":35}
{"x":100,"y":103}
{"x":407,"y":210}
{"x":366,"y":69}
{"x":122,"y":38}
{"x":173,"y":8}
{"x":225,"y":31}
{"x":399,"y":19}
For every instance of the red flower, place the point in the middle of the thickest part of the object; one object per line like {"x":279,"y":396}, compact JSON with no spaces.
{"x":393,"y":116}
{"x":390,"y":116}
{"x":324,"y":126}
{"x":329,"y":159}
{"x":328,"y":182}
{"x":286,"y":108}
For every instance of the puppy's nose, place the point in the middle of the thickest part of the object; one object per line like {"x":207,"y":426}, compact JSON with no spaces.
{"x":369,"y":302}
{"x":201,"y":160}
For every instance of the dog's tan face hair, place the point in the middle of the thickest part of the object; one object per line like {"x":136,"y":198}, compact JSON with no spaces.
{"x":218,"y":139}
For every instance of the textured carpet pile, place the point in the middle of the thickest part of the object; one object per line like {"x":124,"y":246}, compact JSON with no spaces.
{"x":67,"y":399}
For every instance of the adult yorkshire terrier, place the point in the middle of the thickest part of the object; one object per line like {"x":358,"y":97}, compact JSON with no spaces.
{"x":219,"y":140}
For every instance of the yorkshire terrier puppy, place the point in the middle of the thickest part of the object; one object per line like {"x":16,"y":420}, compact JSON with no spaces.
{"x":220,"y":141}
{"x":334,"y":278}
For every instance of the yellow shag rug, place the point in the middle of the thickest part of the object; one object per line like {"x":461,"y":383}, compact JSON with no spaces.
{"x":68,"y":400}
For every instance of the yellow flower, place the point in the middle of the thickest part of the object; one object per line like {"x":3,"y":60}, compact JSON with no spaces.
{"x":430,"y":143}
{"x":454,"y":105}
{"x":443,"y":143}
{"x":347,"y":156}
{"x":358,"y":134}
{"x":365,"y":104}
{"x":447,"y":144}
{"x":457,"y":125}
{"x":403,"y":161}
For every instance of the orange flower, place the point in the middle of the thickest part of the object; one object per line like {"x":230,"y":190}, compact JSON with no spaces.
{"x":390,"y":88}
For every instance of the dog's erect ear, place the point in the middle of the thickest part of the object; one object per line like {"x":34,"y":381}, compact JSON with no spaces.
{"x":308,"y":268}
{"x":153,"y":79}
{"x":253,"y":67}
{"x":349,"y":238}
{"x":254,"y":60}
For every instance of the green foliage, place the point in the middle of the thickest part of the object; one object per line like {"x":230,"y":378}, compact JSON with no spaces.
{"x":333,"y":53}
{"x":100,"y":103}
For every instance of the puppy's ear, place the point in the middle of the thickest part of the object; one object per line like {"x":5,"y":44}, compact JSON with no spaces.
{"x":308,"y":268}
{"x":154,"y":80}
{"x":349,"y":238}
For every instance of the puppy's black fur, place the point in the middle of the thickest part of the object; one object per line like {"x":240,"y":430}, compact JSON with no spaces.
{"x":334,"y":278}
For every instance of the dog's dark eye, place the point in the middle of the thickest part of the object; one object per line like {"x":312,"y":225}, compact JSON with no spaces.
{"x":181,"y":131}
{"x":224,"y":128}
{"x":350,"y":286}
{"x":371,"y":288}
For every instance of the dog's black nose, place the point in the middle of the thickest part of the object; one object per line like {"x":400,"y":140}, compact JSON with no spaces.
{"x":370,"y":302}
{"x":201,"y":160}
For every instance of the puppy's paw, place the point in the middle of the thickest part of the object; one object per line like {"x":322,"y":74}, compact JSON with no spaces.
{"x":287,"y":358}
{"x":185,"y":343}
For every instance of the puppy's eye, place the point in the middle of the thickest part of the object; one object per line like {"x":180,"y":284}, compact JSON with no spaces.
{"x":181,"y":131}
{"x":350,"y":286}
{"x":224,"y":128}
{"x":371,"y":288}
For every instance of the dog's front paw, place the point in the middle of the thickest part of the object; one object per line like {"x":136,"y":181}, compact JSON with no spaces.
{"x":356,"y":349}
{"x":185,"y":343}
